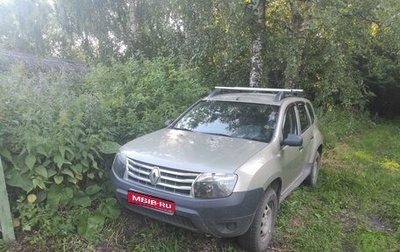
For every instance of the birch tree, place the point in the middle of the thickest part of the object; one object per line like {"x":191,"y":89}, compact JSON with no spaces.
{"x":257,"y":64}
{"x":133,"y":4}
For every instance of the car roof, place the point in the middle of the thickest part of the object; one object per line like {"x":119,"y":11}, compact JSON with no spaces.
{"x":245,"y":97}
{"x":272,"y":96}
{"x":260,"y":98}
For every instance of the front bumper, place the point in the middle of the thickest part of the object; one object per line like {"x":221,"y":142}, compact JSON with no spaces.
{"x":224,"y":217}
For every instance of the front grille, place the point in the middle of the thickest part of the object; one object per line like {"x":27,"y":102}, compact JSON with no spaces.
{"x":171,"y":180}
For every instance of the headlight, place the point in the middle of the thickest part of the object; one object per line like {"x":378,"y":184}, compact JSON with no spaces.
{"x":214,"y":185}
{"x":119,"y":165}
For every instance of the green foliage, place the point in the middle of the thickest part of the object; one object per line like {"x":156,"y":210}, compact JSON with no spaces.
{"x":343,"y":54}
{"x":372,"y":240}
{"x":138,"y":96}
{"x":338,"y":124}
{"x":49,"y":136}
{"x":48,"y":226}
{"x":90,"y":224}
{"x":102,"y":35}
{"x":52,"y":144}
{"x":58,"y":133}
{"x":33,"y":216}
{"x":23,"y":23}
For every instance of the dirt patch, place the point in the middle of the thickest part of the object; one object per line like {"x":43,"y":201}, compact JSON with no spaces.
{"x":377,"y":222}
{"x":278,"y":247}
{"x":349,"y":223}
{"x":295,"y":222}
{"x":136,"y":229}
{"x":349,"y":220}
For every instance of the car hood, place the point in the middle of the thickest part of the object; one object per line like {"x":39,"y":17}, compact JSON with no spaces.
{"x":192,"y":151}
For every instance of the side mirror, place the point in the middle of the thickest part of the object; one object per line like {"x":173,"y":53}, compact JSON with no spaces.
{"x":293,"y":140}
{"x":168,"y":122}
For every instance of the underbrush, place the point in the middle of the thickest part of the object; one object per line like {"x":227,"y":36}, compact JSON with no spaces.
{"x":58,"y":135}
{"x":339,"y":124}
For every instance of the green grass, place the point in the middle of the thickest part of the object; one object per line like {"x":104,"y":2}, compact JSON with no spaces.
{"x":354,"y":207}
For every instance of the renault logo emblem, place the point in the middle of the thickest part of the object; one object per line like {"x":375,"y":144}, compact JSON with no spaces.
{"x":154,"y":175}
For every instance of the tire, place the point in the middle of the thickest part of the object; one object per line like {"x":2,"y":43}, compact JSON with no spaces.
{"x":312,"y":179}
{"x":257,"y":238}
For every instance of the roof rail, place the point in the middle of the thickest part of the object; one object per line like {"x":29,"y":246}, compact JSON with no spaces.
{"x":281,"y":93}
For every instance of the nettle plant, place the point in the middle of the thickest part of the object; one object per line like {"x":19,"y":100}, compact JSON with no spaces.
{"x":58,"y":133}
{"x":53,"y":146}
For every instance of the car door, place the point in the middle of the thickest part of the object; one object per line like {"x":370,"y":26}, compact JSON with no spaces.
{"x":306,"y":132}
{"x":291,"y":156}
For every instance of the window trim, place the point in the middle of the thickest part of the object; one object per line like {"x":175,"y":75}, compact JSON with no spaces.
{"x":311,"y":112}
{"x":294,"y":107}
{"x":298,"y":104}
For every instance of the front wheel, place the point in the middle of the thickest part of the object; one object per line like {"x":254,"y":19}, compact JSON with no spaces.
{"x":259,"y":235}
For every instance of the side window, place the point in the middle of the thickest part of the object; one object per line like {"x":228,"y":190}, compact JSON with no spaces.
{"x":311,"y":112}
{"x":304,"y":119}
{"x":290,"y":124}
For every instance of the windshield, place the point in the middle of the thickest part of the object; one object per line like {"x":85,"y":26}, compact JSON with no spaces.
{"x":232,"y":119}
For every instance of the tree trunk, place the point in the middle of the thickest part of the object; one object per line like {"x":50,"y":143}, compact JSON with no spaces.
{"x":298,"y":27}
{"x":132,"y":4}
{"x":257,"y":64}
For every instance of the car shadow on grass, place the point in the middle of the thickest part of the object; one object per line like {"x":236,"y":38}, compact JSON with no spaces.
{"x":134,"y":232}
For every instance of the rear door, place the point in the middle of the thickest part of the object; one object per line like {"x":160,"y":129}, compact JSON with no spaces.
{"x":306,"y":132}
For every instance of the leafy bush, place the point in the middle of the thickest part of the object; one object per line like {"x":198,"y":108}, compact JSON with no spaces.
{"x":138,"y":96}
{"x":57,"y":131}
{"x":50,"y":143}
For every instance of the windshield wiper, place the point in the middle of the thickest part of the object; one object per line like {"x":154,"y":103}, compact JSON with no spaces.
{"x":217,"y":134}
{"x":254,"y":139}
{"x":184,"y":129}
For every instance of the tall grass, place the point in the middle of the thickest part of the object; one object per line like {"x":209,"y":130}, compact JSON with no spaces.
{"x":339,"y":124}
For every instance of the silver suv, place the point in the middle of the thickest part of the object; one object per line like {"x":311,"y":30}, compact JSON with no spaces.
{"x":225,"y":164}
